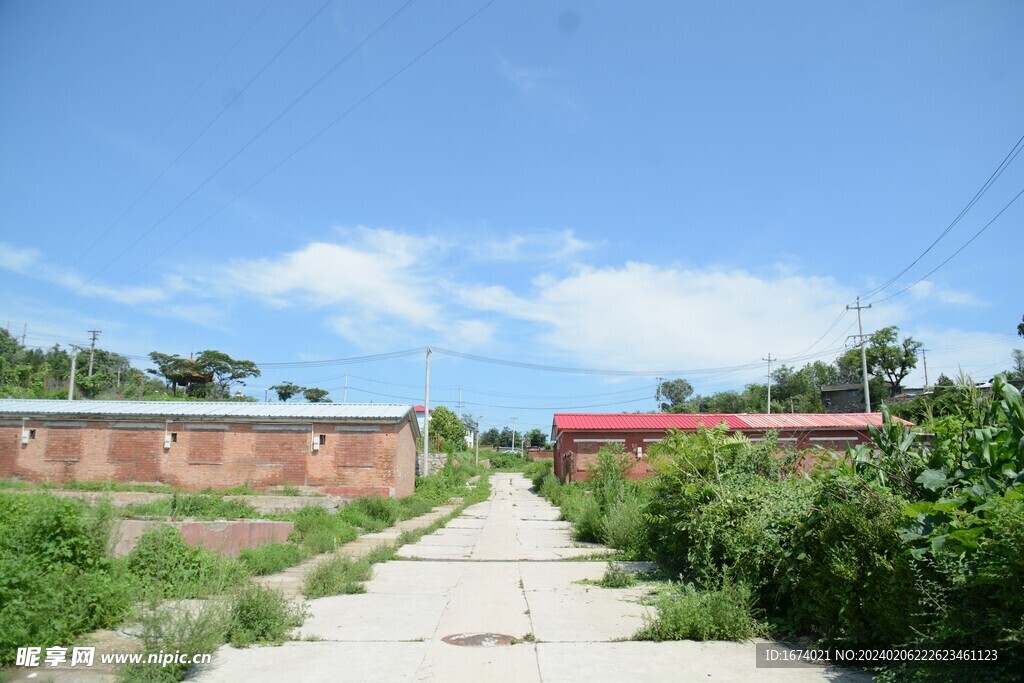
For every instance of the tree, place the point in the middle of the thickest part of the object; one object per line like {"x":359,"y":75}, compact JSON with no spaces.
{"x":225,"y":369}
{"x":1020,"y":327}
{"x":285,"y":390}
{"x":1017,"y":371}
{"x":447,"y":426}
{"x":315,"y":395}
{"x":535,"y":438}
{"x":890,"y":358}
{"x":179,"y":372}
{"x":676,"y":391}
{"x":491,"y":437}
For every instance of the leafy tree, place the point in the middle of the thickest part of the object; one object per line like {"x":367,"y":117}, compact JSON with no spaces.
{"x":315,"y":395}
{"x":1020,"y":327}
{"x":446,"y":425}
{"x":890,"y":358}
{"x":535,"y":438}
{"x":1017,"y":371}
{"x":286,"y":390}
{"x":676,"y":391}
{"x":178,"y":371}
{"x":491,"y":437}
{"x":225,"y":369}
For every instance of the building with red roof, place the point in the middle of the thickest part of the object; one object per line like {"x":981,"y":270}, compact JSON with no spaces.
{"x":579,"y":436}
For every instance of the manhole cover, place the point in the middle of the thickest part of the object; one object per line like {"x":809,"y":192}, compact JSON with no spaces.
{"x":479,"y":639}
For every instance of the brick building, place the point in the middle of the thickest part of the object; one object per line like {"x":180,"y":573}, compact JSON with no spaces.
{"x":345,"y":449}
{"x":578,"y":437}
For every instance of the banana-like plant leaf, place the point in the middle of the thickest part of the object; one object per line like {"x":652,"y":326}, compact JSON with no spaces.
{"x":933,"y":480}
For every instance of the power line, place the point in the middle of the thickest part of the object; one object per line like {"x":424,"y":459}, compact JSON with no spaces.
{"x":310,"y":140}
{"x":950,"y":257}
{"x":181,"y":154}
{"x":1007,"y":160}
{"x":160,"y":132}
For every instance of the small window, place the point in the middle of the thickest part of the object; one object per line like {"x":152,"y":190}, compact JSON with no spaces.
{"x":323,"y":439}
{"x":174,"y":437}
{"x":31,"y":433}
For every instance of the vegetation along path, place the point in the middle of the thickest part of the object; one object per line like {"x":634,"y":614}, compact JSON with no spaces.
{"x":493,"y":596}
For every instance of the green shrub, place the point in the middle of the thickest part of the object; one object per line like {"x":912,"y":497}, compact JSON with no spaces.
{"x":194,"y":505}
{"x":686,"y":613}
{"x":616,"y":577}
{"x":623,"y":526}
{"x":337,"y":576}
{"x":56,"y":580}
{"x":536,"y":471}
{"x":170,"y":628}
{"x":164,"y":563}
{"x":270,"y":558}
{"x":258,"y":614}
{"x":550,"y":488}
{"x":318,"y":531}
{"x":583,"y":510}
{"x":510,"y":462}
{"x":385,"y":510}
{"x":852,"y":578}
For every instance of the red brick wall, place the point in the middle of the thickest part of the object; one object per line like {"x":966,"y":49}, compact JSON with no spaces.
{"x":576,"y":451}
{"x":353,"y":460}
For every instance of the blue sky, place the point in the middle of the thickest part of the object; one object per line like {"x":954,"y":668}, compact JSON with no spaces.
{"x":674,"y":186}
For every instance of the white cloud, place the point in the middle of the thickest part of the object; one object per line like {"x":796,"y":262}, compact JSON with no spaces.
{"x":28,"y":262}
{"x":537,"y":246}
{"x":644,"y":316}
{"x":524,"y":78}
{"x":929,"y":291}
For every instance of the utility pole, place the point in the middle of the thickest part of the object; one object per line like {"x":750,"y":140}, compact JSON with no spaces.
{"x":24,"y":332}
{"x":769,"y":359}
{"x":344,"y":397}
{"x":476,"y":440}
{"x":863,"y":353}
{"x":71,"y":382}
{"x":92,"y":348}
{"x":460,"y":404}
{"x":426,"y":420}
{"x":513,"y":432}
{"x":924,"y":357}
{"x":657,"y":395}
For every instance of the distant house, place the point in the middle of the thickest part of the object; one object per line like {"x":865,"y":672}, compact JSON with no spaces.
{"x":345,"y":449}
{"x":578,"y":437}
{"x":421,"y":413}
{"x":843,"y":398}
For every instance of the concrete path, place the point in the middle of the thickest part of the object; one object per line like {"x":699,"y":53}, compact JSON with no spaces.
{"x":450,"y":610}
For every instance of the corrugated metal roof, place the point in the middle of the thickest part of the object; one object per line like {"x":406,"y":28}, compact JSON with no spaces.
{"x":690,"y":421}
{"x":14,"y":407}
{"x":641,"y":421}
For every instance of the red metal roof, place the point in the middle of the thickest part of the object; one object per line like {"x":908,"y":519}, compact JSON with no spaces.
{"x":690,"y":421}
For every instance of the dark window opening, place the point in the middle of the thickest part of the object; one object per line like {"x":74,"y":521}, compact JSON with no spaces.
{"x":174,"y":437}
{"x":323,"y":439}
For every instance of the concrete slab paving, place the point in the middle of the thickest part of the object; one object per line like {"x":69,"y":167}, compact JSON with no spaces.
{"x":685,"y":660}
{"x":493,"y":573}
{"x":374,"y":616}
{"x":446,"y":663}
{"x":411,"y":578}
{"x":315,"y":662}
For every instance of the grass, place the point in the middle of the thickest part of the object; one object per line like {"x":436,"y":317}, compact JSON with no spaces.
{"x":686,"y":613}
{"x":337,"y":576}
{"x":75,"y":485}
{"x":271,"y":558}
{"x":617,"y":577}
{"x":262,"y":615}
{"x":169,"y":628}
{"x":164,"y":564}
{"x":194,"y":505}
